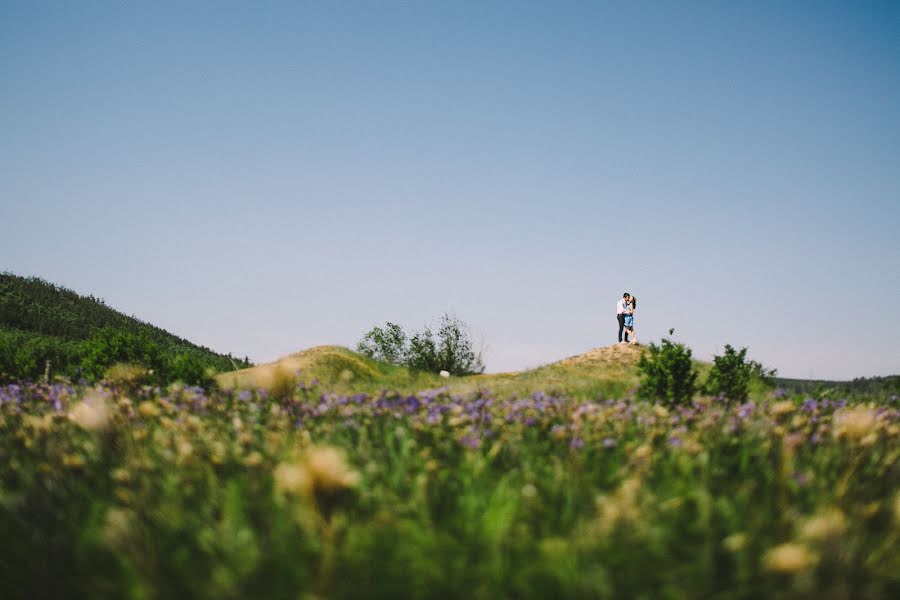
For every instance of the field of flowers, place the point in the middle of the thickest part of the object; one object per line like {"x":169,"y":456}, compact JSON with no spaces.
{"x":115,"y":491}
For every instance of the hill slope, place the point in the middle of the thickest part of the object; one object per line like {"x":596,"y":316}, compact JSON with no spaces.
{"x":609,"y":371}
{"x":79,"y":335}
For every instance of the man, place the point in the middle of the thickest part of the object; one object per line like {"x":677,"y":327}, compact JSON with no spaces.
{"x":621,"y":308}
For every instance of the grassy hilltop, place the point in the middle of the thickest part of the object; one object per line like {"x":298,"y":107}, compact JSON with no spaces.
{"x":609,"y":371}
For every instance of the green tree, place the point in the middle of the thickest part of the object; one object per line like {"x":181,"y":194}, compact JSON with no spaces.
{"x":667,"y":373}
{"x":388,"y":344}
{"x":730,"y":375}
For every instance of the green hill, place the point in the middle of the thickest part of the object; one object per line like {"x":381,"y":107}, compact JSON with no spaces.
{"x":609,"y":371}
{"x":48,"y":330}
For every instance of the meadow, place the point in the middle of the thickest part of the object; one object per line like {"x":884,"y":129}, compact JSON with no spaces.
{"x":331,"y":476}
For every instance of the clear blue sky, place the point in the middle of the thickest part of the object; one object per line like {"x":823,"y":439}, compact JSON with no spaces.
{"x":264,"y":177}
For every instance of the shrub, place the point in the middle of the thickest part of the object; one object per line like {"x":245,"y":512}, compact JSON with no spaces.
{"x":388,"y":344}
{"x":422,"y":353}
{"x":190,"y":369}
{"x":451,"y":350}
{"x":667,"y":373}
{"x":731,"y":374}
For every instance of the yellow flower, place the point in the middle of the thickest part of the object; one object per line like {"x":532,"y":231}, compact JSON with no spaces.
{"x":254,"y":459}
{"x":117,"y":527}
{"x":826,"y":525}
{"x":76,"y":461}
{"x":291,"y":478}
{"x":91,"y":414}
{"x":854,"y":423}
{"x":642,"y":452}
{"x":121,"y":475}
{"x":184,"y":448}
{"x":790,"y":558}
{"x":735,"y":542}
{"x":148,"y":409}
{"x":329,"y":471}
{"x":782,"y":408}
{"x":660,"y":411}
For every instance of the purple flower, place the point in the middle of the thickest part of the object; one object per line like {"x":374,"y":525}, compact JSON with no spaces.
{"x":675,"y":442}
{"x":470,"y":441}
{"x":576,"y":443}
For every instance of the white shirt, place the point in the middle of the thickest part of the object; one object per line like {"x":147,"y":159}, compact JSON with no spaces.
{"x":621,"y":306}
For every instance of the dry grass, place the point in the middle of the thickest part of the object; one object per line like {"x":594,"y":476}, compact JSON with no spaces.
{"x":609,"y":370}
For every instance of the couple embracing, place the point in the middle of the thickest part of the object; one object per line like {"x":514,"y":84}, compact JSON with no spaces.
{"x":625,"y":316}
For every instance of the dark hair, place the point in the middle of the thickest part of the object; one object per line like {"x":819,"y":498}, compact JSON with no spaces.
{"x":626,"y":294}
{"x":633,"y":302}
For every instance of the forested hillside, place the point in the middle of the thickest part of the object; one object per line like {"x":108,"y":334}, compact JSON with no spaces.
{"x":48,"y":330}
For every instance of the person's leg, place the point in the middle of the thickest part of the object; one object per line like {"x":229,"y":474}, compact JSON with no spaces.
{"x":632,"y":336}
{"x":621,"y":319}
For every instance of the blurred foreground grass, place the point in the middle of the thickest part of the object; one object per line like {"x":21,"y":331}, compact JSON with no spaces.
{"x":477,"y":490}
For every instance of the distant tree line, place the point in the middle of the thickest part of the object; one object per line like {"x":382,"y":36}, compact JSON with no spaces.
{"x":47,"y":330}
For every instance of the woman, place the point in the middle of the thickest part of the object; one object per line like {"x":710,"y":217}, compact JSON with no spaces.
{"x":629,"y":320}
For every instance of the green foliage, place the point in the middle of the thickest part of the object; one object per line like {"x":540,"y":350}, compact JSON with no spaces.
{"x":422,"y":354}
{"x":451,"y":350}
{"x":49,"y":330}
{"x":180,"y":494}
{"x":667,"y":373}
{"x":732,"y":373}
{"x":387,"y":345}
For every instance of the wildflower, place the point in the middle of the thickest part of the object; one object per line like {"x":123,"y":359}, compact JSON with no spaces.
{"x":642,"y":452}
{"x":529,"y":491}
{"x":254,"y":459}
{"x":471,"y":441}
{"x":329,"y":470}
{"x":91,"y":414}
{"x":117,"y":527}
{"x":853,"y":423}
{"x":121,"y":475}
{"x":735,"y":542}
{"x":76,"y":461}
{"x":790,"y":558}
{"x":184,"y":448}
{"x":148,"y":409}
{"x":826,"y":525}
{"x":292,"y":478}
{"x":782,"y":408}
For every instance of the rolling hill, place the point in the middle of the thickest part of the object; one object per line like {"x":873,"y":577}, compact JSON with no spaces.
{"x":80,"y":336}
{"x":609,"y":371}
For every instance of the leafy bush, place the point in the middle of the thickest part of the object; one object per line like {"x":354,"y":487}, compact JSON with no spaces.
{"x":451,"y":350}
{"x":731,"y":374}
{"x":387,"y":345}
{"x":667,"y":373}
